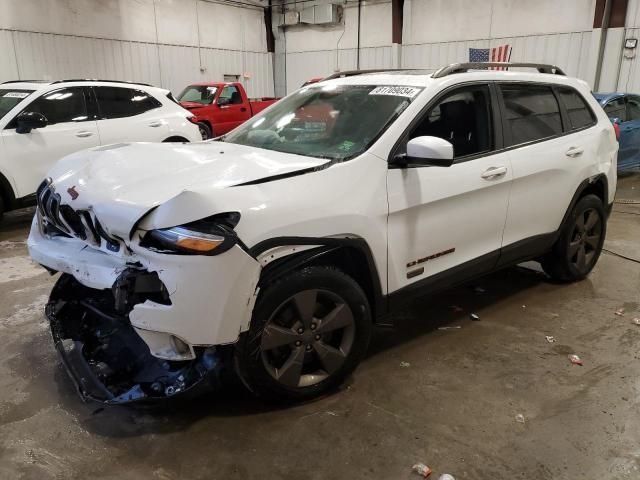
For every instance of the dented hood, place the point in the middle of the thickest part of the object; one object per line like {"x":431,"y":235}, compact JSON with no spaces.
{"x":122,"y":182}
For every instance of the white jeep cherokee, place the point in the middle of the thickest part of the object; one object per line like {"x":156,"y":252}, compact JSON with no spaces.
{"x":41,"y":122}
{"x":275,"y":250}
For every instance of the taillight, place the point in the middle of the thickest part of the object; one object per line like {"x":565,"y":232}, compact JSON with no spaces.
{"x":616,"y":127}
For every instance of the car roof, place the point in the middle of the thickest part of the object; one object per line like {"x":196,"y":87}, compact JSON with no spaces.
{"x":45,"y":84}
{"x":604,"y":97}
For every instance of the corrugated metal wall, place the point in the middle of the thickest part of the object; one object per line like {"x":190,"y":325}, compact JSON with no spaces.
{"x":568,"y":50}
{"x":52,"y":56}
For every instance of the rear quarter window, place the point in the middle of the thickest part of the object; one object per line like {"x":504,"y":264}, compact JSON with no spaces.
{"x":578,"y":111}
{"x":531,"y":112}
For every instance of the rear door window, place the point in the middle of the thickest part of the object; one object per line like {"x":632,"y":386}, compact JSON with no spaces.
{"x":532,"y":113}
{"x":616,"y":109}
{"x":118,"y":102}
{"x":579,"y":113}
{"x":231,"y":95}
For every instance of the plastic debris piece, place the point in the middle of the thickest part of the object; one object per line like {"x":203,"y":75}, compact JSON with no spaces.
{"x":479,"y":290}
{"x":555,"y":315}
{"x":520,"y":418}
{"x":446,"y":476}
{"x":475,"y":317}
{"x":524,"y":306}
{"x":575,"y":359}
{"x":620,"y":312}
{"x":550,"y":338}
{"x":456,"y":327}
{"x":636,"y":321}
{"x":422,"y":470}
{"x":405,"y":364}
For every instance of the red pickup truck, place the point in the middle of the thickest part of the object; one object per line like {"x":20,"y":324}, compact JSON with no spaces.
{"x":219,"y":107}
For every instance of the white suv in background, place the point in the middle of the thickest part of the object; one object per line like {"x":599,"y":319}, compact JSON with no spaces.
{"x":41,"y":122}
{"x":275,"y":250}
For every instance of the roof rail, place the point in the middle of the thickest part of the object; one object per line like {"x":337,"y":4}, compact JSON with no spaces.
{"x":25,"y":81}
{"x":352,"y":73}
{"x":465,"y":67}
{"x":99,"y":80}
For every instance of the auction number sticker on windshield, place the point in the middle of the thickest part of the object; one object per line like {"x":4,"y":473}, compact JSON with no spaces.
{"x":396,"y":91}
{"x":16,"y":95}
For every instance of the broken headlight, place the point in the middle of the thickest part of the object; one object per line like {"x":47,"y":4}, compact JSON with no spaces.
{"x":210,"y":236}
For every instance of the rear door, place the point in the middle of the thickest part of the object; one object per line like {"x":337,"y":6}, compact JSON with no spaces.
{"x":69,"y":129}
{"x":232,"y":110}
{"x":631,"y":131}
{"x":450,"y":220}
{"x":551,"y":149}
{"x":129,"y":115}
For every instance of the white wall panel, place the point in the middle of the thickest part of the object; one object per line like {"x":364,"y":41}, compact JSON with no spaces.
{"x":8,"y":65}
{"x":629,"y":80}
{"x":150,"y":41}
{"x":633,"y":14}
{"x":569,"y":51}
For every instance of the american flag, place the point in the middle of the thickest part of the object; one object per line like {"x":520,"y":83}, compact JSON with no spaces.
{"x":495,"y":54}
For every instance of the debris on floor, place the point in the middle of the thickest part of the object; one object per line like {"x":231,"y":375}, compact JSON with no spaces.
{"x":475,"y":317}
{"x":446,"y":476}
{"x":456,"y":327}
{"x":550,"y":338}
{"x":575,"y":359}
{"x":620,"y":312}
{"x":457,"y":309}
{"x":555,"y":315}
{"x":422,"y":470}
{"x":479,"y":290}
{"x":405,"y":364}
{"x":520,"y":418}
{"x":636,"y":321}
{"x":524,"y":306}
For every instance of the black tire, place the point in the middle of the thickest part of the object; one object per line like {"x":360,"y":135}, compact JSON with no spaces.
{"x":205,"y":131}
{"x":1,"y":208}
{"x":577,"y":250}
{"x":306,"y":339}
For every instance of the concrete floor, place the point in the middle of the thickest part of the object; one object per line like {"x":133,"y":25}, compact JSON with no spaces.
{"x":452,"y":407}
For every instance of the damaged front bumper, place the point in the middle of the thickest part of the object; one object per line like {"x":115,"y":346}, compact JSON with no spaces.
{"x":105,"y":357}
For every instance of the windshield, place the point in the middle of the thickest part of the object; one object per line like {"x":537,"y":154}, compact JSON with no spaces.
{"x":198,"y":94}
{"x":337,"y":122}
{"x":9,"y":98}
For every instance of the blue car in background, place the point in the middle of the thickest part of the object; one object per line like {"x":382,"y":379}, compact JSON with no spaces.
{"x":624,"y":111}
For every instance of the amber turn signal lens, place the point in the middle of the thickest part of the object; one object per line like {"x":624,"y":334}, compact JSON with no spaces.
{"x":198,"y":244}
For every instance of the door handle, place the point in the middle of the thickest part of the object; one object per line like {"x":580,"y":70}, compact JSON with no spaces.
{"x":84,"y":134}
{"x":574,"y":152}
{"x":155,"y":124}
{"x":243,"y":109}
{"x":494,"y":172}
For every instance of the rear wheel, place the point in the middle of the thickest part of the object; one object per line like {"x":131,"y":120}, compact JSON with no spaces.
{"x":309,"y":331}
{"x":577,"y":250}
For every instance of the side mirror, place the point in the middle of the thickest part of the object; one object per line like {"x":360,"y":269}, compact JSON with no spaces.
{"x":222,"y":101}
{"x":427,"y":151}
{"x":615,"y":120}
{"x":28,"y":121}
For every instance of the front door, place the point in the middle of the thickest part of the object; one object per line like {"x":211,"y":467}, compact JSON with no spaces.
{"x":441,"y":218}
{"x":69,"y":129}
{"x":630,"y":135}
{"x":231,"y":110}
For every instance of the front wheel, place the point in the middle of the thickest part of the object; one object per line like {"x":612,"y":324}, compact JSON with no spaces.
{"x":309,"y":331}
{"x":577,"y":250}
{"x":205,"y":131}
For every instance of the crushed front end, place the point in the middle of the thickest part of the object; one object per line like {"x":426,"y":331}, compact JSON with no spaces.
{"x":105,"y":357}
{"x":143,"y":318}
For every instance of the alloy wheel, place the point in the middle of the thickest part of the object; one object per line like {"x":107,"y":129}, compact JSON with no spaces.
{"x":307,"y":338}
{"x":585,"y":239}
